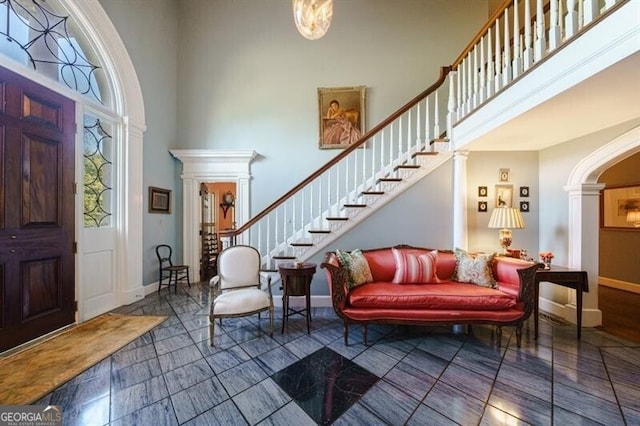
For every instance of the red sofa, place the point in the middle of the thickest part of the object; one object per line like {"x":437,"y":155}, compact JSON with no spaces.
{"x":445,"y":302}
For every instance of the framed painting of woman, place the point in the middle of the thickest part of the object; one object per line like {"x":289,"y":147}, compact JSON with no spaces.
{"x":341,"y":115}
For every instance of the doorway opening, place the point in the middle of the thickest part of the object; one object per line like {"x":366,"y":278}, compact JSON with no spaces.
{"x":218,"y":211}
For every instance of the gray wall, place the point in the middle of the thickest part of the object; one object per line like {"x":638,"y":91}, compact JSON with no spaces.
{"x":150,"y":35}
{"x":235,"y":74}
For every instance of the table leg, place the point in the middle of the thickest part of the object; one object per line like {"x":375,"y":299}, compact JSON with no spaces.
{"x":536,"y":309}
{"x":285,"y":307}
{"x":308,"y":300}
{"x":579,"y":313}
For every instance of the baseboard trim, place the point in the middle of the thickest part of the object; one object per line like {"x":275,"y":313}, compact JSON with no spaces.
{"x":569,"y":312}
{"x":619,"y":285}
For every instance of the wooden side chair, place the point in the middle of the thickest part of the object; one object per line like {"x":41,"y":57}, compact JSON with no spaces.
{"x":167,"y":270}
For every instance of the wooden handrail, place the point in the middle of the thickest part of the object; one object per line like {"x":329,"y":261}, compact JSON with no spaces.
{"x":444,"y":71}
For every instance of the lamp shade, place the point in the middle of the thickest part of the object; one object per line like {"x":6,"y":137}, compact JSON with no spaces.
{"x":633,"y":216}
{"x":312,"y":17}
{"x":506,"y":217}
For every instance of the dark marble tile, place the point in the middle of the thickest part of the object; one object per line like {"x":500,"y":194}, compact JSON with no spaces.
{"x":198,"y":399}
{"x":325,"y":384}
{"x":454,"y":404}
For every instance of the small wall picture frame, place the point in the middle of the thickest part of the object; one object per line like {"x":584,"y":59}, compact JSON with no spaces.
{"x":504,"y":195}
{"x":524,"y":191}
{"x":524,"y":206}
{"x":483,"y":191}
{"x":503,"y":176}
{"x":159,"y":200}
{"x":482,"y":206}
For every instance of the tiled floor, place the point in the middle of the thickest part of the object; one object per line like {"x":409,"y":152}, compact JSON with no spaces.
{"x":409,"y":375}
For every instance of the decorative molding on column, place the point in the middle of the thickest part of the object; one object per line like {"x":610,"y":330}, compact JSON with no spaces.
{"x":211,"y":165}
{"x":460,"y":233}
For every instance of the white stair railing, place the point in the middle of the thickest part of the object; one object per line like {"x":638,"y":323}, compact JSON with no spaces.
{"x":530,"y":30}
{"x":355,"y":180}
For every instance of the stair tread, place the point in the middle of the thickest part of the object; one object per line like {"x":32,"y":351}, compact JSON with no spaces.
{"x":282,"y":257}
{"x":337,"y":218}
{"x":301,"y":244}
{"x":415,"y":154}
{"x":408,"y":166}
{"x":390,"y":179}
{"x":319,"y":231}
{"x":355,"y":205}
{"x":372,"y":192}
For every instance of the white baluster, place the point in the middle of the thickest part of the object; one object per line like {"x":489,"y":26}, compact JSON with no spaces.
{"x":276,"y":236}
{"x":469,"y":104}
{"x":554,"y":28}
{"x":337,"y":206}
{"x":427,"y":125}
{"x":451,"y":105}
{"x":418,"y":133}
{"x":436,"y":117}
{"x":459,"y":98}
{"x":541,"y":42}
{"x":320,"y":197}
{"x":528,"y":51}
{"x":482,"y":92}
{"x":517,"y":60}
{"x":400,"y":126}
{"x":476,"y":95}
{"x":506,"y":72}
{"x":498,"y":56}
{"x":571,"y":20}
{"x":490,"y":67}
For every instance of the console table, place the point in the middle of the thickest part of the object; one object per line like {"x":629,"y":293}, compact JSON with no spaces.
{"x":565,"y":277}
{"x":296,"y":281}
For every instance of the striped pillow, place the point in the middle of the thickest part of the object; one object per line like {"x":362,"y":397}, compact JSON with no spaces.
{"x":414,"y":268}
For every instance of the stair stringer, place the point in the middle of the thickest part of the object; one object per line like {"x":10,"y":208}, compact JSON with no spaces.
{"x":393,"y":191}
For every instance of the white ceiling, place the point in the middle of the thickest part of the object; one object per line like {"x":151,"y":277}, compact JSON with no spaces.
{"x":604,"y":100}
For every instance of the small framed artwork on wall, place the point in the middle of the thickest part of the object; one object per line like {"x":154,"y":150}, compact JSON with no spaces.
{"x":159,"y":200}
{"x":524,"y":206}
{"x":482,"y":206}
{"x":482,"y":191}
{"x":524,"y":191}
{"x":504,"y":175}
{"x":504,"y":195}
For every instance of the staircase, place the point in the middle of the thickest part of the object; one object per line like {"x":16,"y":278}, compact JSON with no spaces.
{"x":417,"y":138}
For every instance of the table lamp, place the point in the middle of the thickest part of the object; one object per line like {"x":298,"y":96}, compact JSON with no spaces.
{"x":633,"y":216}
{"x":505,"y":219}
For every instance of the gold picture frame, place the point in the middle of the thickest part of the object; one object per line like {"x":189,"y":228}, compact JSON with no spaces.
{"x":159,"y":200}
{"x":341,"y":116}
{"x":615,"y":203}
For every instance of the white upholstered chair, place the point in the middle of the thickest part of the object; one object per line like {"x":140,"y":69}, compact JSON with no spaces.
{"x":238,"y":287}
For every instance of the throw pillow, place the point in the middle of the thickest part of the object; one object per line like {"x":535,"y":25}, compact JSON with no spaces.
{"x":474,"y":268}
{"x":357,"y":266}
{"x":415,"y":268}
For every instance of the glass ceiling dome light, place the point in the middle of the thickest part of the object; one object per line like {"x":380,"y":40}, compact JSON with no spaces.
{"x":312,"y":17}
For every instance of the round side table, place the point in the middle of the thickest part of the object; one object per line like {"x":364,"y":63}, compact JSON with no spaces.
{"x":296,"y":281}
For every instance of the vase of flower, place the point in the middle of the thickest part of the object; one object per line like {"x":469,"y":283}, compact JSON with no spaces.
{"x":545,"y":258}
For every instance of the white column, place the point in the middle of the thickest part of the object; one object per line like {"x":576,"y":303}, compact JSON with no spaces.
{"x":584,"y":226}
{"x":460,"y":237}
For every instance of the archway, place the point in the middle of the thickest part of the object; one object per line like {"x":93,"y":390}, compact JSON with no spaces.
{"x":584,"y":206}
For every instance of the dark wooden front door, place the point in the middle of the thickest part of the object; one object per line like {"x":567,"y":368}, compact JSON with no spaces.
{"x":37,"y":287}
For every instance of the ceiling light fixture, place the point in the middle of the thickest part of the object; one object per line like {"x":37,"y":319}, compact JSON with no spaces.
{"x":312,"y":17}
